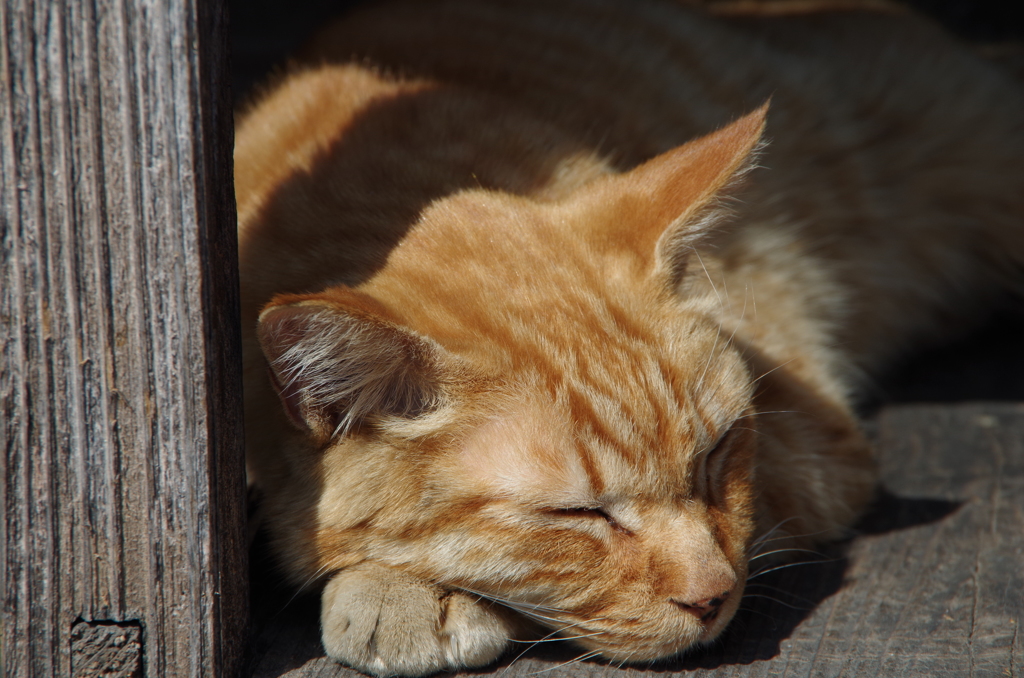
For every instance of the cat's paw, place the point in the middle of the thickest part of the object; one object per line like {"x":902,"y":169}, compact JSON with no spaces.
{"x":384,"y":622}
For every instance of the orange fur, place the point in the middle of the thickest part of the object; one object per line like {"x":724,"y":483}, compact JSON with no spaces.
{"x":512,"y":342}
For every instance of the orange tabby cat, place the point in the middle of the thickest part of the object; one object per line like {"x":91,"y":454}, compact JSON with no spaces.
{"x":522,"y":350}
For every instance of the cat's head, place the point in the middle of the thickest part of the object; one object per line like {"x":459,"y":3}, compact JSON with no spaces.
{"x":526,"y":403}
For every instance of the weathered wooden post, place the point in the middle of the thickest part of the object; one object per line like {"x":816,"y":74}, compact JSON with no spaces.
{"x":120,"y":439}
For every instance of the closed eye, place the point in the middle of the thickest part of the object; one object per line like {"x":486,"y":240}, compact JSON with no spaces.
{"x":721,"y":446}
{"x":715,"y":462}
{"x":588,"y":512}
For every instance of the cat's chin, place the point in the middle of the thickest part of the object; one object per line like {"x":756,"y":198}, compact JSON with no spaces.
{"x":663,"y":653}
{"x":635,"y":650}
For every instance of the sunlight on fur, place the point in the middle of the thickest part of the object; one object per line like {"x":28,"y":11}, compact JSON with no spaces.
{"x":556,"y":312}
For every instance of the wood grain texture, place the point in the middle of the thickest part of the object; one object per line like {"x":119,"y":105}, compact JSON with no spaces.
{"x":933,"y":584}
{"x":122,"y":469}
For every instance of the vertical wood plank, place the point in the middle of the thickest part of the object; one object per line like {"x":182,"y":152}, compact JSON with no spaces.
{"x":122,"y":470}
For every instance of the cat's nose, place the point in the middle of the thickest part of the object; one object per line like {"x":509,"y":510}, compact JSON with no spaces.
{"x":705,"y":610}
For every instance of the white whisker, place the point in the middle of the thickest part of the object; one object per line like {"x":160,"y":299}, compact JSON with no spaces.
{"x":549,"y":639}
{"x":753,"y":301}
{"x":707,"y":365}
{"x":794,"y":550}
{"x":626,"y":660}
{"x":765,"y":374}
{"x":583,"y":657}
{"x":778,"y":525}
{"x":772,"y":598}
{"x":759,"y":413}
{"x":761,"y":541}
{"x":783,"y":567}
{"x":510,"y":603}
{"x":721,"y":303}
{"x":763,"y":614}
{"x":780,"y":590}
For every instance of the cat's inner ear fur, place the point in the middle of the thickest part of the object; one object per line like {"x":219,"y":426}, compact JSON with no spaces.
{"x":660,"y":209}
{"x":335,"y":366}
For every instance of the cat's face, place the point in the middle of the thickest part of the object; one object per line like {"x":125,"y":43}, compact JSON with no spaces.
{"x":613,"y":504}
{"x":537,"y":418}
{"x":626,"y":525}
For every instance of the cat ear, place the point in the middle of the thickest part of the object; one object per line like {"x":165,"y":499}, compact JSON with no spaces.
{"x":336,"y":361}
{"x":660,"y":208}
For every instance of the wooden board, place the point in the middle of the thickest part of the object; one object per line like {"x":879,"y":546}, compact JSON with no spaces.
{"x":932,"y":585}
{"x":122,"y":544}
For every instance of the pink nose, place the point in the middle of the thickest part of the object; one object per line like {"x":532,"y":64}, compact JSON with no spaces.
{"x":704,"y":610}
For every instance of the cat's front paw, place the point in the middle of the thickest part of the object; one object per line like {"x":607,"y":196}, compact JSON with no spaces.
{"x":384,"y":622}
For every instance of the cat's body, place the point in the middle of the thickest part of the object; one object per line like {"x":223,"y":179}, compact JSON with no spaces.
{"x":550,"y":378}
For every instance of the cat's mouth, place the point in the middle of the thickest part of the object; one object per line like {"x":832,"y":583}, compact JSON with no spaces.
{"x":714,"y":623}
{"x":648,"y":637}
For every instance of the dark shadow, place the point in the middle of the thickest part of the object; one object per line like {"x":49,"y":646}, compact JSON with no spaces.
{"x":985,"y":365}
{"x":890,"y":513}
{"x":356,"y":193}
{"x":285,"y":623}
{"x":264,"y":32}
{"x":978,"y":20}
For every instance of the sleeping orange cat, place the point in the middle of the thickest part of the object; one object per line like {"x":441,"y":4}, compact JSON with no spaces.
{"x":557,"y":311}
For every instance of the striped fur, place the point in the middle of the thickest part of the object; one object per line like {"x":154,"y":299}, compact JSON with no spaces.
{"x":526,"y":351}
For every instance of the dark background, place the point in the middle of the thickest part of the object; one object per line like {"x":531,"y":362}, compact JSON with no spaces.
{"x":263,"y":32}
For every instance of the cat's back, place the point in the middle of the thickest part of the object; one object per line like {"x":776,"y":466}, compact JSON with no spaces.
{"x":632,"y":79}
{"x":870,"y":111}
